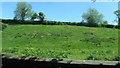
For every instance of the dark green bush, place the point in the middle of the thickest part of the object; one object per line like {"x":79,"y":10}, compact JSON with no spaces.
{"x":50,"y":22}
{"x":109,"y":26}
{"x":116,"y":58}
{"x":92,"y":57}
{"x":117,"y":26}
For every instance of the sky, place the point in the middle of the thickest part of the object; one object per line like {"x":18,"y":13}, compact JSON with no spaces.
{"x":64,"y":11}
{"x":60,"y":0}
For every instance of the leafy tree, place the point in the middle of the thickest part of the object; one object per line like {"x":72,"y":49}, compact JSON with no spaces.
{"x":103,"y":23}
{"x":23,"y":11}
{"x":93,"y":0}
{"x":93,"y":17}
{"x":41,"y":16}
{"x":34,"y":16}
{"x":117,"y":13}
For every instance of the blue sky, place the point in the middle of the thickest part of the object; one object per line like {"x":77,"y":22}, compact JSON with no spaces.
{"x":64,"y":11}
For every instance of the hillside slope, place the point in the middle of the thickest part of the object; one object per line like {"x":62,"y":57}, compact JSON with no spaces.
{"x":68,"y":42}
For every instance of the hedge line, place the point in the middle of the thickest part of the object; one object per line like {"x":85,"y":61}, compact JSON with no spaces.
{"x":47,"y":22}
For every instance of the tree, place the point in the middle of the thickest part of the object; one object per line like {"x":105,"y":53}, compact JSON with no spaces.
{"x":93,"y":0}
{"x":41,"y":16}
{"x":92,"y":17}
{"x":34,"y":16}
{"x":103,"y":23}
{"x":23,"y":11}
{"x":117,"y":13}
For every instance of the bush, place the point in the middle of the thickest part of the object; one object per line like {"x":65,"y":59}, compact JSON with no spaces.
{"x":116,"y":58}
{"x":50,"y":22}
{"x":92,"y":25}
{"x":92,"y":57}
{"x":109,"y":26}
{"x":117,"y":26}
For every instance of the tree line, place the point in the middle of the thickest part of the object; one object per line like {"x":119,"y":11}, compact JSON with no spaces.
{"x":92,"y":18}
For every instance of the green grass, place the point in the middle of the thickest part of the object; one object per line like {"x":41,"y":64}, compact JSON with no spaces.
{"x":67,"y":42}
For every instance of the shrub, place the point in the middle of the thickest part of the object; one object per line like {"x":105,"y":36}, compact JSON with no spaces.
{"x":117,"y":26}
{"x":116,"y":58}
{"x":109,"y":26}
{"x":92,"y":57}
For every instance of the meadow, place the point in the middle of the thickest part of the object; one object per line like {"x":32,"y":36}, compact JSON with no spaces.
{"x":61,"y":41}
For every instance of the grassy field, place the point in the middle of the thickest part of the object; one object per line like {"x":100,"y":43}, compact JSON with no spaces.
{"x":67,"y":42}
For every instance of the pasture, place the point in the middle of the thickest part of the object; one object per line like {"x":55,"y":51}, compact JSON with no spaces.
{"x":61,"y":41}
